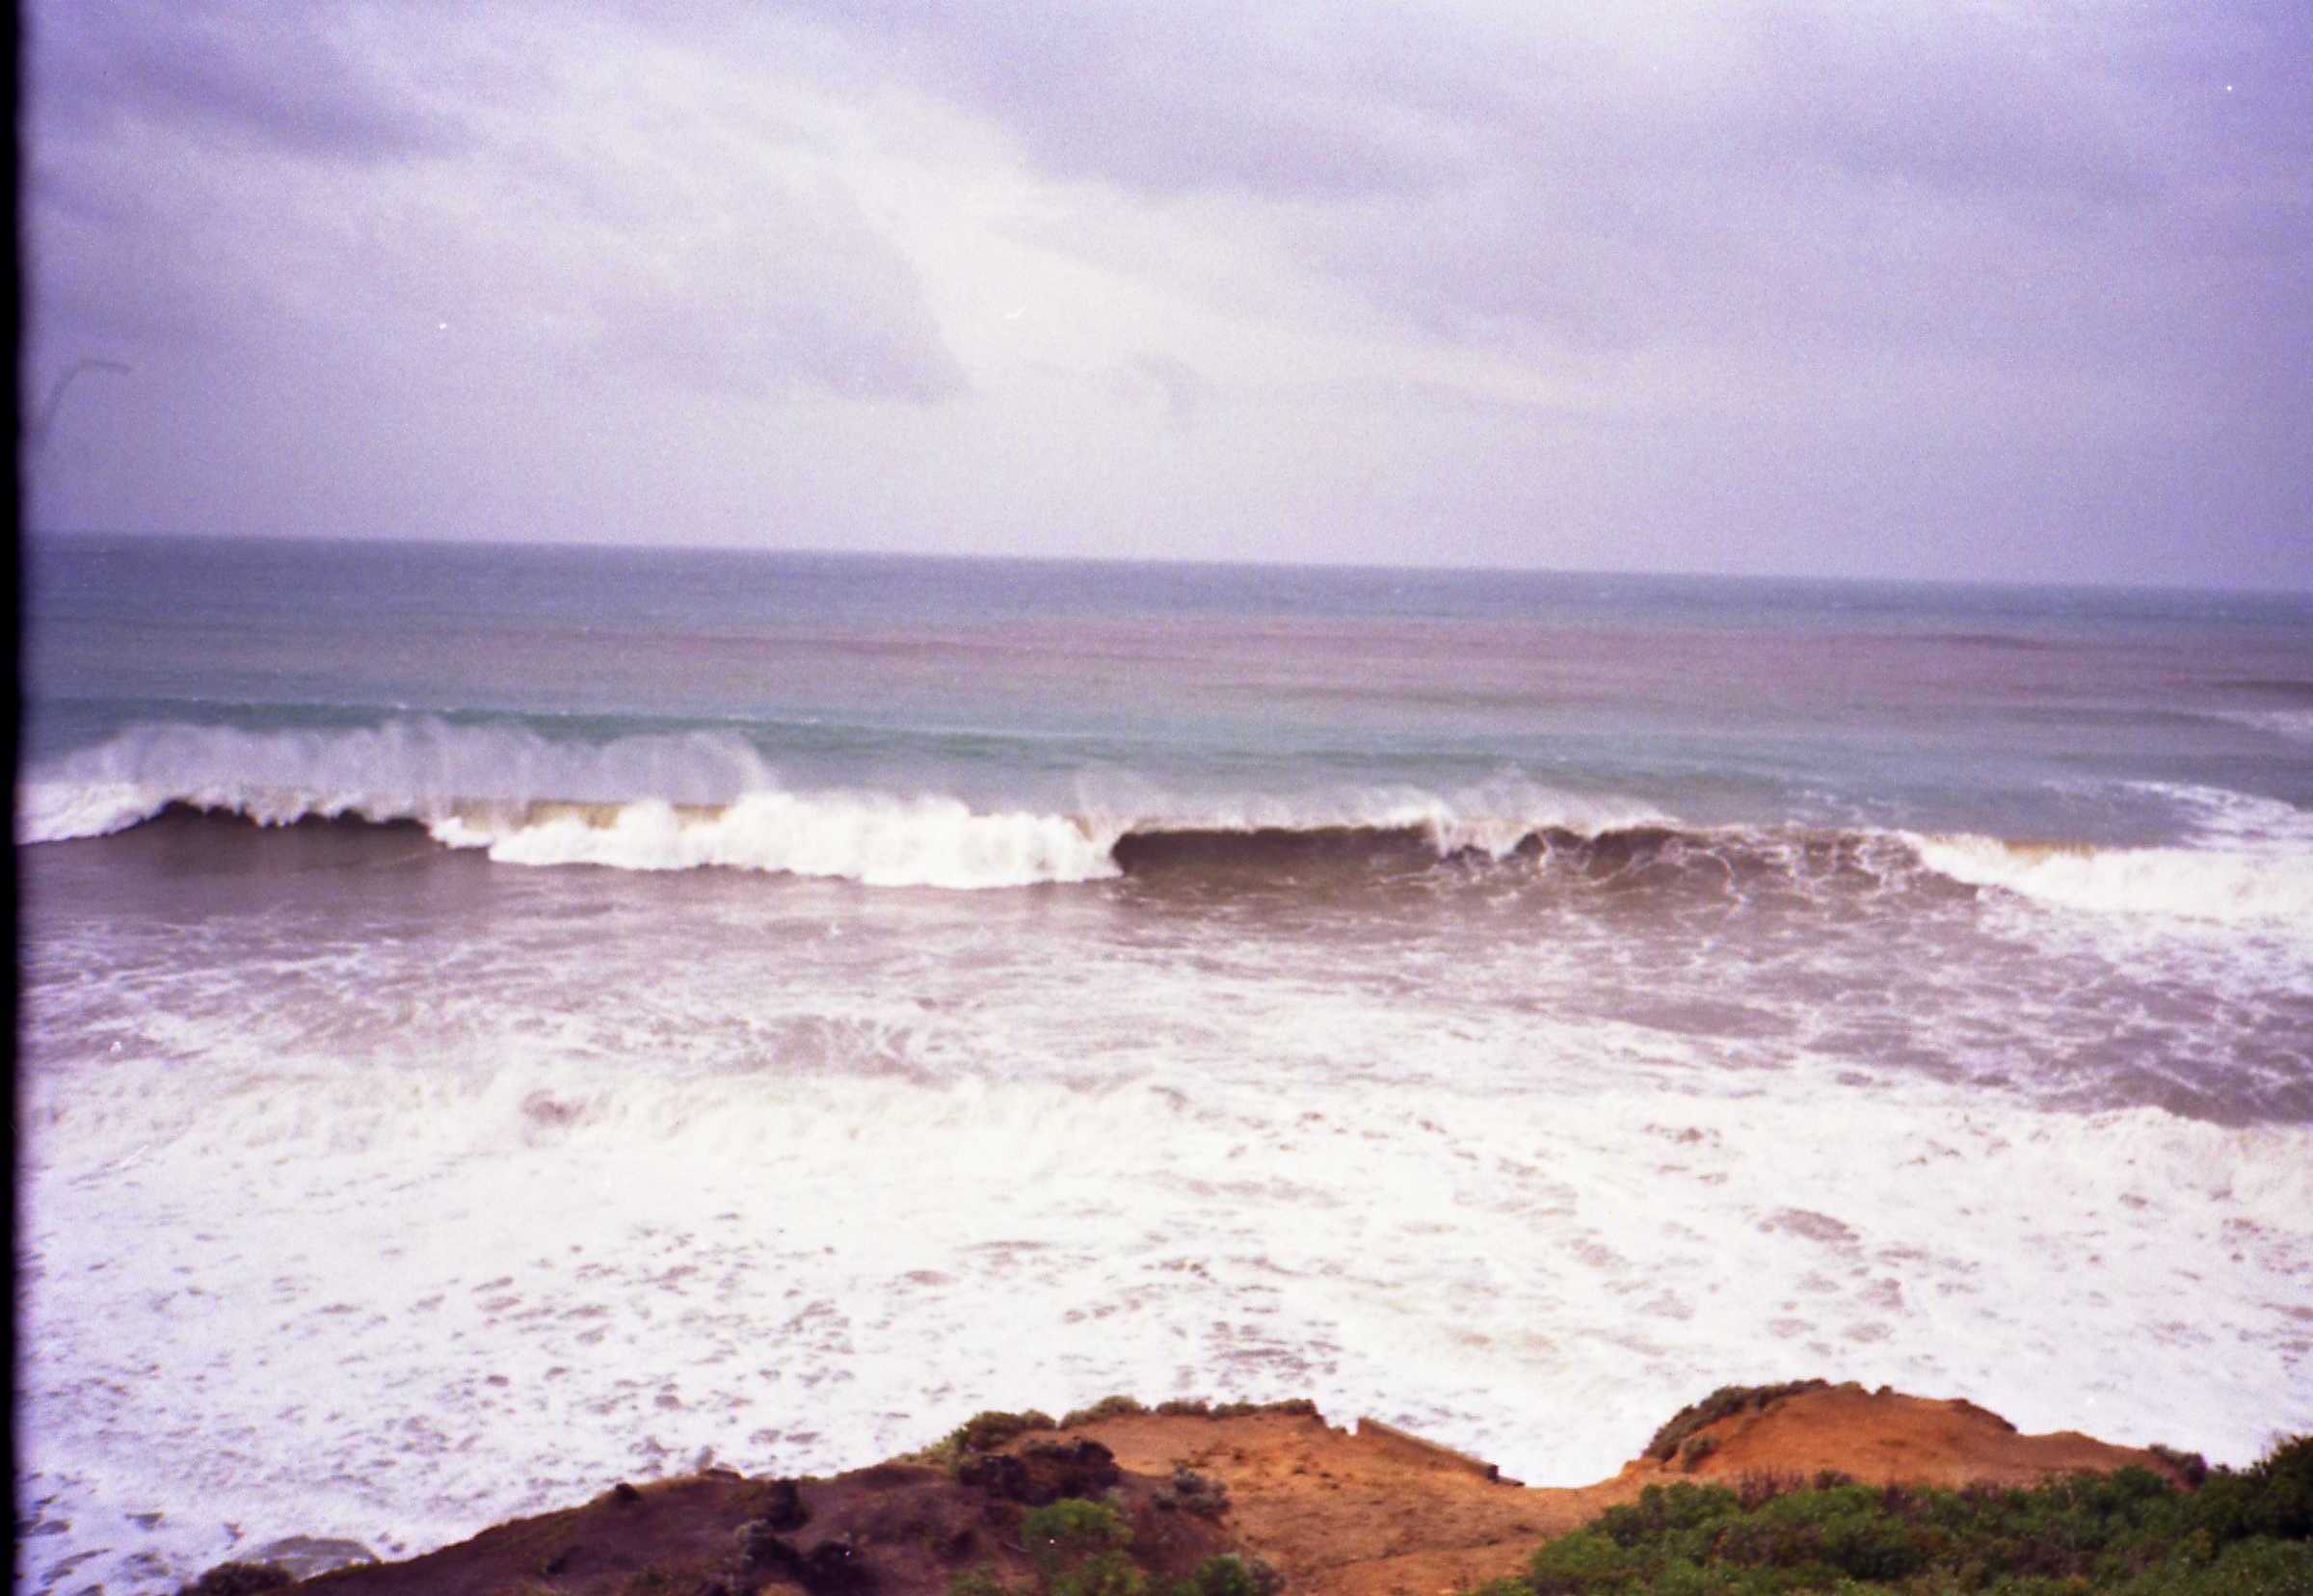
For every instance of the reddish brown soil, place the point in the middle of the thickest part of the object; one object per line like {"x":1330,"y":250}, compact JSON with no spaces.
{"x":1364,"y":1511}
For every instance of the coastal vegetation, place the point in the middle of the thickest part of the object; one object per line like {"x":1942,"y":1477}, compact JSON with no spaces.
{"x":1741,"y":1493}
{"x":1079,"y":1548}
{"x":2237,"y":1532}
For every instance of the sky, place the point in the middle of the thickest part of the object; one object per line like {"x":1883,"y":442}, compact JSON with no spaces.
{"x":1959,"y":289}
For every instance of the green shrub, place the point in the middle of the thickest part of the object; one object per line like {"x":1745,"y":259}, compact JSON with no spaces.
{"x":1587,"y":1560}
{"x":2271,"y":1497}
{"x":2127,"y":1531}
{"x":2194,"y":1467}
{"x":987,"y":1431}
{"x":1228,"y":1574}
{"x":1077,"y":1547}
{"x":1103,"y":1574}
{"x":1107,"y":1407}
{"x":981,"y":1432}
{"x":977,"y":1582}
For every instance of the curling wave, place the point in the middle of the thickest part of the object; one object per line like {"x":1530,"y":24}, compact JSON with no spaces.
{"x":709,"y":801}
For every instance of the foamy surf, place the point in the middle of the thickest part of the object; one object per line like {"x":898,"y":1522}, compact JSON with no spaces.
{"x":900,"y":841}
{"x":2250,"y":861}
{"x":2202,"y":883}
{"x":875,"y":840}
{"x":518,"y":1291}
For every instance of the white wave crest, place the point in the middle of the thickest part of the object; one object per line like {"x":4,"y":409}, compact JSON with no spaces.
{"x":2295,"y":725}
{"x":875,"y":839}
{"x":406,"y":769}
{"x":58,"y":812}
{"x":1492,"y":818}
{"x":699,"y":800}
{"x":2233,"y":885}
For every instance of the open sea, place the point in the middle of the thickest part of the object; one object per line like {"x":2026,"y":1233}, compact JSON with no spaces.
{"x":498,"y":1020}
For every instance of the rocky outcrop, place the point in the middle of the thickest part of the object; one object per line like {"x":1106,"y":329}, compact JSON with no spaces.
{"x":1363,"y":1512}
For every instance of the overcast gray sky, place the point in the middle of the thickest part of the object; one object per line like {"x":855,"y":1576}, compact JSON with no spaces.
{"x":1949,"y":288}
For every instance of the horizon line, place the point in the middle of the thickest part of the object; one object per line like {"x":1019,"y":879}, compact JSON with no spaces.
{"x":28,"y":536}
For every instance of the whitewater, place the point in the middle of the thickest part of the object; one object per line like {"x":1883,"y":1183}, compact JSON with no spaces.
{"x":499,"y":1021}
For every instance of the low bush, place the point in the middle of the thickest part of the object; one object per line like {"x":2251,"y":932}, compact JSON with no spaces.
{"x":981,"y":1432}
{"x":1107,"y":1407}
{"x":2130,"y":1531}
{"x":2194,"y":1467}
{"x":1190,"y":1491}
{"x":1229,"y":1575}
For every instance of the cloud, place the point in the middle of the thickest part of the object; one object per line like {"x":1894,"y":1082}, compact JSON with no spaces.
{"x":776,"y":289}
{"x":666,"y":234}
{"x":1589,"y":179}
{"x":1283,"y":100}
{"x":1178,"y":389}
{"x":1516,"y":272}
{"x":298,"y":78}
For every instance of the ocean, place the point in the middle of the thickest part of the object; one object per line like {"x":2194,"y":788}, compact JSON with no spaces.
{"x":497,"y":1020}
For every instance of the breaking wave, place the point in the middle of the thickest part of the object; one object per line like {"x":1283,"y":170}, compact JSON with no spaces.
{"x":709,"y":801}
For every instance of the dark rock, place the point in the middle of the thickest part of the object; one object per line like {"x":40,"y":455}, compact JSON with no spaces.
{"x":303,"y":1556}
{"x":239,"y":1579}
{"x":834,"y":1567}
{"x":999,"y":1474}
{"x":1060,"y":1469}
{"x":625,"y":1493}
{"x":1043,"y":1472}
{"x":783,"y":1505}
{"x":758,"y":1545}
